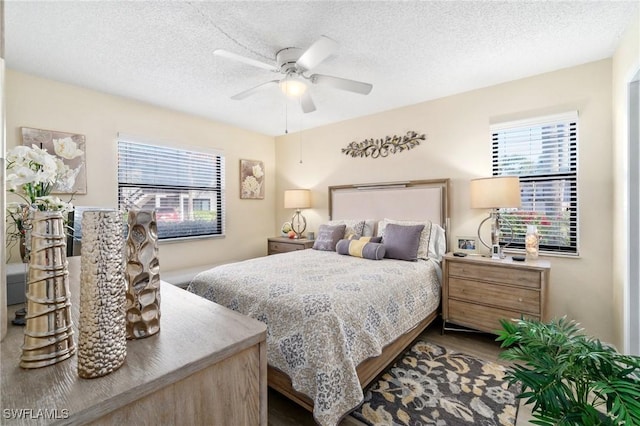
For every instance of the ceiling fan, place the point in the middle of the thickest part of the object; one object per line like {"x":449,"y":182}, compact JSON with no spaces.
{"x":293,"y":63}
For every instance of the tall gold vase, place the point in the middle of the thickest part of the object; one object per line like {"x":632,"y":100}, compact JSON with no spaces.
{"x":102,"y":344}
{"x":48,"y":334}
{"x":143,"y":275}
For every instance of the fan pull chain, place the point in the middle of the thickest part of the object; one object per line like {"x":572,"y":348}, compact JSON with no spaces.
{"x":286,"y":118}
{"x":300,"y":131}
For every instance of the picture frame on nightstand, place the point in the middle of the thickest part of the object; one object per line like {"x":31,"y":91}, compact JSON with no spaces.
{"x":466,"y":244}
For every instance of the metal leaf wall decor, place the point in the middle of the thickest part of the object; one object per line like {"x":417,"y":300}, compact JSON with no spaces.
{"x":375,"y":148}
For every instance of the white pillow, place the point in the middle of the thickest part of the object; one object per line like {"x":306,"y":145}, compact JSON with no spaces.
{"x":353,"y":226}
{"x":425,"y":235}
{"x":437,"y":243}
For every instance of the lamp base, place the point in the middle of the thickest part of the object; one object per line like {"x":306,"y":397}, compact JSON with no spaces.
{"x":298,"y":224}
{"x":495,"y":248}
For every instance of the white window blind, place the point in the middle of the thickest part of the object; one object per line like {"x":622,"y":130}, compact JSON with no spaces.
{"x":543,"y":152}
{"x":184,"y":187}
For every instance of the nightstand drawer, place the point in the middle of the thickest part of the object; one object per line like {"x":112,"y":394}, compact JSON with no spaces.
{"x":520,"y":277}
{"x":511,"y":298}
{"x":275,"y":247}
{"x":484,"y":318}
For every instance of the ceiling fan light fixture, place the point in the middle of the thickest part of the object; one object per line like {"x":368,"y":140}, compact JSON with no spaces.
{"x":293,"y":87}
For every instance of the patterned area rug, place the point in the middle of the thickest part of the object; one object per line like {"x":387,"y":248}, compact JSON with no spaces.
{"x":430,"y":385}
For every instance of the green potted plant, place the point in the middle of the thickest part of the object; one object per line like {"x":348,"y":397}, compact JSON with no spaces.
{"x":571,"y":379}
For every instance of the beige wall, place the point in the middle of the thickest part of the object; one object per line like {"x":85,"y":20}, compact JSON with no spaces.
{"x":458,"y":147}
{"x":46,"y":104}
{"x":626,"y":64}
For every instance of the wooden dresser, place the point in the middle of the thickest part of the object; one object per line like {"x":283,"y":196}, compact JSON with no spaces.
{"x":284,"y":244}
{"x":208,"y":365}
{"x":477,"y":292}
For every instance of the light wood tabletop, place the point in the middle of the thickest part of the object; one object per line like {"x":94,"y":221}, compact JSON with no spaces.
{"x":195,"y":334}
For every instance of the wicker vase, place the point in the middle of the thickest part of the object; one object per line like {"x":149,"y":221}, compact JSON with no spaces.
{"x":48,"y":334}
{"x":102,"y":343}
{"x":143,"y":275}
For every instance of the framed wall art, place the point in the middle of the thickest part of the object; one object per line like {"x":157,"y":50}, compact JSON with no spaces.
{"x":70,"y":149}
{"x":251,"y":180}
{"x":466,"y":244}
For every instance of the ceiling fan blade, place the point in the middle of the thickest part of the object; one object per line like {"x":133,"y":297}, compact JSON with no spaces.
{"x":307,"y":103}
{"x":244,"y":59}
{"x":320,"y":50}
{"x":342,"y":83}
{"x":253,"y":90}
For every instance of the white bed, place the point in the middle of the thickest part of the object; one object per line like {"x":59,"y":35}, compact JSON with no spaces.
{"x":335,"y":321}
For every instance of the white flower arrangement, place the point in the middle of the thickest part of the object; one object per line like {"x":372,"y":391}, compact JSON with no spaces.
{"x":32,"y":174}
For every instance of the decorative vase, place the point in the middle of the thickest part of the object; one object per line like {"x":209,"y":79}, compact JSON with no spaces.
{"x":532,"y":242}
{"x":143,"y":275}
{"x":102,"y":343}
{"x":48,"y":334}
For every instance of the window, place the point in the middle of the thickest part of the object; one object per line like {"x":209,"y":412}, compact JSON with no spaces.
{"x":185,"y":188}
{"x":543,"y":153}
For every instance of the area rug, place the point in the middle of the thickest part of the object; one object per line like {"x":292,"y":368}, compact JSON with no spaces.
{"x":431,"y":385}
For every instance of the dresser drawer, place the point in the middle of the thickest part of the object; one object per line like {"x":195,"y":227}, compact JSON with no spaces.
{"x":275,"y":247}
{"x":484,"y":318}
{"x":510,"y":298}
{"x":499,"y":274}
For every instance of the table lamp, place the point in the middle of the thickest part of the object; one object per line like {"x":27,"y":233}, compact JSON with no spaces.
{"x":297,"y":199}
{"x":495,"y":193}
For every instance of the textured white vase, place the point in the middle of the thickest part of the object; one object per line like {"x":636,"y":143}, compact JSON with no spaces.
{"x":48,"y":333}
{"x":102,"y":343}
{"x":143,"y":275}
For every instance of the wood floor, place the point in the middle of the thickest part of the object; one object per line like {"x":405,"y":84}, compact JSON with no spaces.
{"x":283,"y":412}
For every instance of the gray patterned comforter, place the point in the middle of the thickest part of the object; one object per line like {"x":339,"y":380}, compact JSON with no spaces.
{"x":325,"y":313}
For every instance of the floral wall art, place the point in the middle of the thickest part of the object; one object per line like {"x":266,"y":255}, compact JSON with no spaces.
{"x":251,"y":179}
{"x":68,"y":150}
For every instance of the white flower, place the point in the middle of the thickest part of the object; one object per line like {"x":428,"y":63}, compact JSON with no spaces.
{"x":19,"y":175}
{"x":51,"y":203}
{"x":66,"y":148}
{"x":65,"y":177}
{"x":17,"y":153}
{"x":47,"y":166}
{"x":257,"y":171}
{"x":251,"y":187}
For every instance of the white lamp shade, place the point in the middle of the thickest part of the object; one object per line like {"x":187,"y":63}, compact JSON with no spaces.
{"x":495,"y":192}
{"x":297,"y":199}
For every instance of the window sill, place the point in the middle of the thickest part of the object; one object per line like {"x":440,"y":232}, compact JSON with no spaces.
{"x":545,"y":253}
{"x":187,"y":239}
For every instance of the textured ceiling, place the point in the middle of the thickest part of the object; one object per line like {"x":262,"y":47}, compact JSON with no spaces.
{"x":162,"y":52}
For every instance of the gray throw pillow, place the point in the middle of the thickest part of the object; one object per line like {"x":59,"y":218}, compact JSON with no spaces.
{"x":402,"y":241}
{"x":328,"y":237}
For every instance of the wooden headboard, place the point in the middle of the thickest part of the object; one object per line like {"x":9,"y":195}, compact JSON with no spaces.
{"x":410,"y":200}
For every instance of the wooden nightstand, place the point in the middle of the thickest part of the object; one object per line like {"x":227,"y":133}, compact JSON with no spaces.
{"x":478,"y":291}
{"x":284,"y":244}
